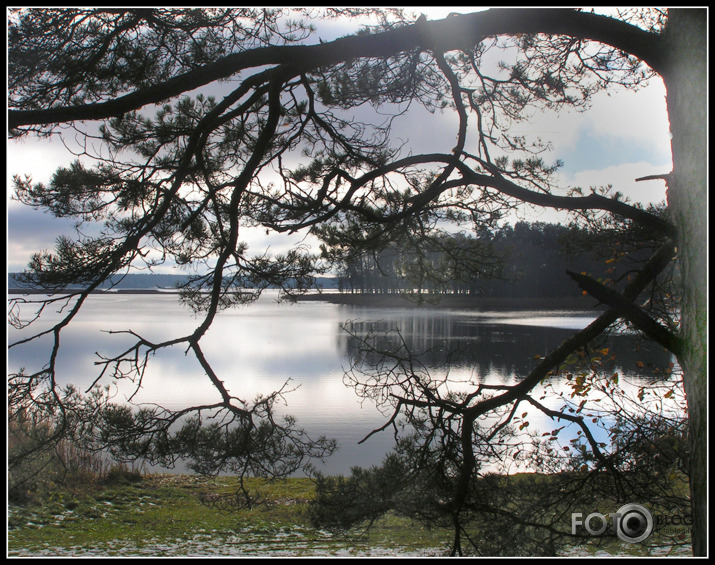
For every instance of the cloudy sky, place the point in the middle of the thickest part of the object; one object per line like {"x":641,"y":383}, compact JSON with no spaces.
{"x":623,"y":136}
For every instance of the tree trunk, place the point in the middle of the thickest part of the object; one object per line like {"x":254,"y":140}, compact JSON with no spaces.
{"x":685,"y":76}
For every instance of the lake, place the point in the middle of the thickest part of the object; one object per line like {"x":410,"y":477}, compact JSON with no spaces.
{"x":256,"y":349}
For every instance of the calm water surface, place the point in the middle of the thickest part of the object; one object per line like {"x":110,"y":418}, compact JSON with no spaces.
{"x":256,"y":349}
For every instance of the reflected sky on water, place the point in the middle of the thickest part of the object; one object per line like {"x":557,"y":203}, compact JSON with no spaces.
{"x":257,"y":349}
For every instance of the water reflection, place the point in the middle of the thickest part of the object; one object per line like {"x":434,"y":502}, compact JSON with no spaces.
{"x":255,"y":350}
{"x":494,"y":349}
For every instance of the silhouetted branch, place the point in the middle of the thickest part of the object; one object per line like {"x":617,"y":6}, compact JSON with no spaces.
{"x":627,"y":309}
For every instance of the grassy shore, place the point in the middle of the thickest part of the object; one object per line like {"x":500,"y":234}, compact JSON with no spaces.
{"x":178,"y":515}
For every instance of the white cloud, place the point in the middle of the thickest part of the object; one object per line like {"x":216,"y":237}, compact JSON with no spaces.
{"x":259,"y":240}
{"x":641,"y":116}
{"x":620,"y":177}
{"x":38,"y":158}
{"x":623,"y":179}
{"x":30,"y":231}
{"x":638,"y":119}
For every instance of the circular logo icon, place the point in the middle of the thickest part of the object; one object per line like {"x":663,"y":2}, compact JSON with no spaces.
{"x":634,"y":523}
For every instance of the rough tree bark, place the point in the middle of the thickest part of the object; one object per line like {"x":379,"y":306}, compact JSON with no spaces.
{"x":685,"y":77}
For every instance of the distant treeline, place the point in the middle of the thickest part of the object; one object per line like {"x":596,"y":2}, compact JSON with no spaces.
{"x":142,"y":281}
{"x":526,"y":260}
{"x":134,"y":281}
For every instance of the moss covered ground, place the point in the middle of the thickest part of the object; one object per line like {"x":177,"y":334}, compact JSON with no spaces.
{"x":185,"y":515}
{"x":189,"y":515}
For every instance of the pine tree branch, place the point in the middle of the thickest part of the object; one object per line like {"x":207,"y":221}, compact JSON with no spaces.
{"x":445,"y":35}
{"x":628,"y":310}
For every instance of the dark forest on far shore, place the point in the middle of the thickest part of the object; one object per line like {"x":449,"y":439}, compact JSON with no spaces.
{"x":524,"y":265}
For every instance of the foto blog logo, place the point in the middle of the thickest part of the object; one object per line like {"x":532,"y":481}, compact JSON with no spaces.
{"x":632,"y":523}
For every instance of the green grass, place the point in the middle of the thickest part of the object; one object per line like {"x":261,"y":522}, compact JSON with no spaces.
{"x":173,"y":515}
{"x":181,"y":515}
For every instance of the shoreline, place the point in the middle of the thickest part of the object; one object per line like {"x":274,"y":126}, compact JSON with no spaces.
{"x":578,"y":303}
{"x":391,"y":300}
{"x":24,"y":291}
